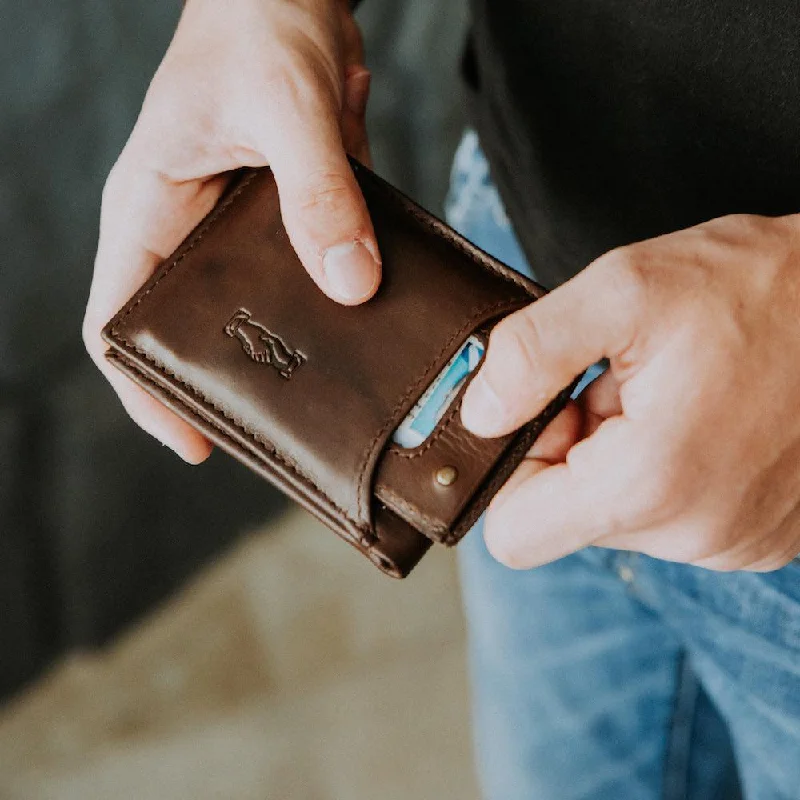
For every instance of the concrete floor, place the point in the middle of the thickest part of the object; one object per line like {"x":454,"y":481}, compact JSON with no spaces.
{"x":292,"y":670}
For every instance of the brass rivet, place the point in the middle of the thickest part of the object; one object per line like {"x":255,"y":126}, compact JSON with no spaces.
{"x":446,"y":476}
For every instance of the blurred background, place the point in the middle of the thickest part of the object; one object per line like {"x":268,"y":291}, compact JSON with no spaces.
{"x":168,"y":632}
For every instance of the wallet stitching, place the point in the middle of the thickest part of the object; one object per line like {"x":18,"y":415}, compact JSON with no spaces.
{"x":415,"y":387}
{"x":134,"y":304}
{"x":436,"y":526}
{"x":273,"y":450}
{"x":259,"y":439}
{"x":366,"y":542}
{"x":442,"y":427}
{"x":268,"y":447}
{"x":431,"y":223}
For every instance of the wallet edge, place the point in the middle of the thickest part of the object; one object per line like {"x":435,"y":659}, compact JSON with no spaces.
{"x":395,"y":558}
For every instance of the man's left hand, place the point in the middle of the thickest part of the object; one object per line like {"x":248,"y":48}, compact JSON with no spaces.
{"x":688,"y":448}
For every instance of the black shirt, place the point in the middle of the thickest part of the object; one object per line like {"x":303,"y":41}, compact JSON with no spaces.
{"x":610,"y":121}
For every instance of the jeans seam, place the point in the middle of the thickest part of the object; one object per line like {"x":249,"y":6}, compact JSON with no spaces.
{"x":677,"y":753}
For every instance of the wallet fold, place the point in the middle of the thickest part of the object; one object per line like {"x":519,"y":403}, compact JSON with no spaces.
{"x":233,"y":335}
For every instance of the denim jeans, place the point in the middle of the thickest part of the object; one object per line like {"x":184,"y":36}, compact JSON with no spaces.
{"x":614,"y":675}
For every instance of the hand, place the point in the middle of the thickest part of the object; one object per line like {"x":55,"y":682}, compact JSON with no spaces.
{"x":688,"y":449}
{"x":244,"y":83}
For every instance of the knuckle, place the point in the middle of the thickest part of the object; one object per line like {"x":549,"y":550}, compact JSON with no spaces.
{"x":125,"y":181}
{"x":744,"y":222}
{"x":325,"y":193}
{"x":711,"y":541}
{"x":162,"y":109}
{"x":295,"y":82}
{"x":627,"y":275}
{"x":185,"y":114}
{"x":286,"y":87}
{"x":658,"y":494}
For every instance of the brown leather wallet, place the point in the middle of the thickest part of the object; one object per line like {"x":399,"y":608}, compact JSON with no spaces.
{"x":232,"y":334}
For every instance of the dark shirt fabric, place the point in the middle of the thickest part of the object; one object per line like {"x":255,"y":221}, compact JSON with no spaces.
{"x":610,"y":121}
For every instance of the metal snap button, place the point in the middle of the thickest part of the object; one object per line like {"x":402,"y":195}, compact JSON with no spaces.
{"x":446,"y":476}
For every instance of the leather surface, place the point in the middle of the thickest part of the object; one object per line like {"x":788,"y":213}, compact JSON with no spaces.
{"x":233,"y":334}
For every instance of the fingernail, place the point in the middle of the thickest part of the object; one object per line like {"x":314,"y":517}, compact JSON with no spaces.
{"x":351,"y":271}
{"x":356,"y":92}
{"x":482,"y":412}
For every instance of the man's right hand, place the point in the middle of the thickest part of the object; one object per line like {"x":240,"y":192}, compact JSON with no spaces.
{"x":243,"y":83}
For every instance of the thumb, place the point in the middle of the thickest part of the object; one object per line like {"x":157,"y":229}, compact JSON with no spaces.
{"x":322,"y":207}
{"x":354,"y":128}
{"x":534,"y":353}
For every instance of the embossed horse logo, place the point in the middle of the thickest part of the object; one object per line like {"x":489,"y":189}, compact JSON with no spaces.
{"x":263,"y":346}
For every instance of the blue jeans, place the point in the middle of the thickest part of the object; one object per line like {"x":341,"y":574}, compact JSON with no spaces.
{"x":614,"y":675}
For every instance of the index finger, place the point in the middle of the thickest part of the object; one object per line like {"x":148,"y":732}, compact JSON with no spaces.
{"x":547,"y":511}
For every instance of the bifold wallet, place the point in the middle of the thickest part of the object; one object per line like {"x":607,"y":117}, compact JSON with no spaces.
{"x":232,"y":334}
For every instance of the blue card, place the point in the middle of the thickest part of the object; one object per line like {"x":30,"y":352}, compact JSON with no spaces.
{"x":431,"y":407}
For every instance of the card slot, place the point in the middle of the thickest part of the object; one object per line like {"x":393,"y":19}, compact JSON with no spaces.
{"x":431,"y":485}
{"x":482,"y":335}
{"x":408,"y":482}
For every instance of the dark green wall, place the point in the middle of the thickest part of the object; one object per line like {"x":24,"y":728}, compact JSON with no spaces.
{"x":97,"y":521}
